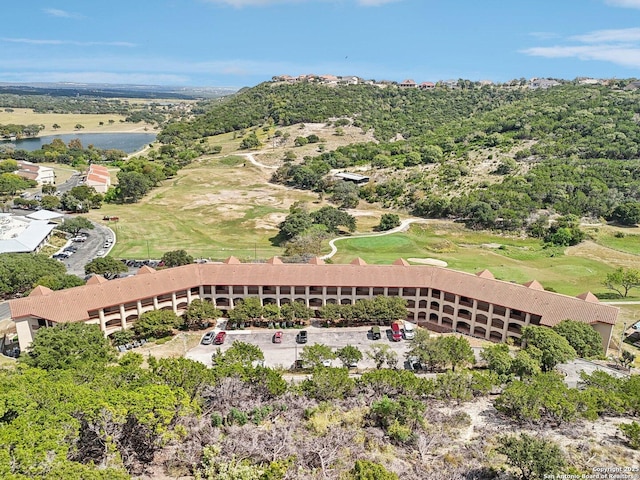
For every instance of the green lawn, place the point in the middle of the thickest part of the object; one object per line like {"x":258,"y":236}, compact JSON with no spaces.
{"x":519,"y":260}
{"x":214,"y":208}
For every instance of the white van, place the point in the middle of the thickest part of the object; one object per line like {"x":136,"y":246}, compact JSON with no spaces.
{"x":409,"y":330}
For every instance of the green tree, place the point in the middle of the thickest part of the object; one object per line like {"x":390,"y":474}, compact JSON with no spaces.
{"x":349,"y":355}
{"x":246,"y":310}
{"x":8,"y":166}
{"x":50,"y":202}
{"x":525,"y":365}
{"x":328,"y":384}
{"x":107,"y":266}
{"x":333,"y":218}
{"x":10,"y":183}
{"x":532,"y":457}
{"x":199,"y":314}
{"x":296,"y":312}
{"x":19,"y":271}
{"x":132,"y":186}
{"x":75,"y":225}
{"x":79,"y":126}
{"x":367,"y":470}
{"x":176,"y":258}
{"x":498,"y":358}
{"x":59,"y":281}
{"x":313,"y":356}
{"x":69,"y":346}
{"x":296,"y":223}
{"x":345,"y":194}
{"x":458,"y":350}
{"x":381,"y":354}
{"x":627,"y":213}
{"x":632,"y":432}
{"x":251,"y":141}
{"x":622,"y":280}
{"x":554,"y":347}
{"x":582,"y":337}
{"x":387,"y":222}
{"x":239,"y":353}
{"x":156,"y":324}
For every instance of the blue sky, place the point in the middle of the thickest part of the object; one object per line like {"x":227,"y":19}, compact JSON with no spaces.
{"x":239,"y":43}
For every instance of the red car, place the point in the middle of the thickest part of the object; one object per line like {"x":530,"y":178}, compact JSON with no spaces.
{"x":219,"y":340}
{"x":277,"y":337}
{"x":396,"y":333}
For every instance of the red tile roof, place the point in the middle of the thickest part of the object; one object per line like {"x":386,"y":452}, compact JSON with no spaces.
{"x":74,"y":304}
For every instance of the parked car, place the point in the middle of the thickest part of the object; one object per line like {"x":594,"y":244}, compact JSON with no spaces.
{"x":78,"y":239}
{"x":409,"y":331}
{"x":326,"y":363}
{"x":396,"y":334}
{"x":219,"y":338}
{"x":207,"y":338}
{"x":375,"y":333}
{"x":277,"y":337}
{"x":100,"y":253}
{"x":302,"y":336}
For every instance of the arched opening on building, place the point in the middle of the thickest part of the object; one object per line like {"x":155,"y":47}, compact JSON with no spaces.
{"x":479,"y":331}
{"x":514,"y":328}
{"x":422,"y":304}
{"x":222,"y":302}
{"x":131,"y":319}
{"x":464,"y":314}
{"x":116,"y":322}
{"x":315,"y":302}
{"x":301,"y":300}
{"x":284,"y":301}
{"x":433,"y":318}
{"x":332,"y":301}
{"x":435,"y":306}
{"x":237,"y":300}
{"x":269,"y":301}
{"x":447,"y":322}
{"x":182,"y":306}
{"x":463,"y":327}
{"x":345,"y":301}
{"x":497,"y":323}
{"x":481,"y":318}
{"x":495,"y":336}
{"x":423,"y":316}
{"x":411,"y":304}
{"x":447,"y":309}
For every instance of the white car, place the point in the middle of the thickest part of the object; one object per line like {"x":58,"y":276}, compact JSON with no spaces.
{"x":100,"y":253}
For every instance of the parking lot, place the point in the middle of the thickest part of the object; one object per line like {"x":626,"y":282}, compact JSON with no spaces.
{"x":284,"y":354}
{"x":94,"y":246}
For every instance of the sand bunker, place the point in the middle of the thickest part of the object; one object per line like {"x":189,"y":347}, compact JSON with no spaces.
{"x":429,"y":261}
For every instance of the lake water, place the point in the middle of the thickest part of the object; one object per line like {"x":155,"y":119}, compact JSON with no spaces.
{"x":127,"y":142}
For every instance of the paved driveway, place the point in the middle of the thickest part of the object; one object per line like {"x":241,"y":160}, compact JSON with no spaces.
{"x":88,"y":250}
{"x":284,"y":354}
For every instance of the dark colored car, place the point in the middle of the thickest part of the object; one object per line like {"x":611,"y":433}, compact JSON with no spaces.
{"x":375,"y":333}
{"x":219,"y":339}
{"x":302,"y":336}
{"x":207,"y":339}
{"x":396,"y":333}
{"x":277,"y":337}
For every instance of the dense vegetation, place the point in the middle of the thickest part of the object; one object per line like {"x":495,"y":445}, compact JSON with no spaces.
{"x":570,"y":149}
{"x":70,"y":412}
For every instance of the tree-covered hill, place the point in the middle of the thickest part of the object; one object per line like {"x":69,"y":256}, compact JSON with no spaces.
{"x":493,"y":155}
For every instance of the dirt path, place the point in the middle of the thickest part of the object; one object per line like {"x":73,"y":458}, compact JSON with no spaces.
{"x":252,"y":159}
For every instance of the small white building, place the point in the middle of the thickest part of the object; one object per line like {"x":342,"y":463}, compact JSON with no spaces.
{"x":39,"y":173}
{"x":23,"y":235}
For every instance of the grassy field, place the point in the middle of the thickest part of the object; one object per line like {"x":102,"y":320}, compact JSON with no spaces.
{"x":508,"y":258}
{"x":68,"y":121}
{"x":214,"y":208}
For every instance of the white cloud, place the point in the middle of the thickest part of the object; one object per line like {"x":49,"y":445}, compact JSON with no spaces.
{"x":602,"y":36}
{"x":624,"y":3}
{"x":620,"y":55}
{"x":36,"y":41}
{"x":618,"y":46}
{"x":55,"y":12}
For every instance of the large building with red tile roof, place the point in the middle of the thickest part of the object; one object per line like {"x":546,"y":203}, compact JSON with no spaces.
{"x":438,"y":298}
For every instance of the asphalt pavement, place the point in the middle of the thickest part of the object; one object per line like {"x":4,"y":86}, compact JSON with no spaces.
{"x":89,"y":249}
